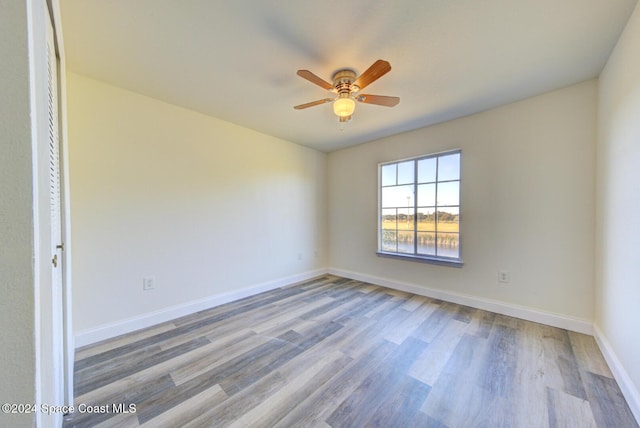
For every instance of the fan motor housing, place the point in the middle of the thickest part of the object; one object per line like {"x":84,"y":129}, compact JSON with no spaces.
{"x":343,"y":80}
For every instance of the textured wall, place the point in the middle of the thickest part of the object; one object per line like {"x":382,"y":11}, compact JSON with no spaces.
{"x":618,"y":203}
{"x":17,"y":342}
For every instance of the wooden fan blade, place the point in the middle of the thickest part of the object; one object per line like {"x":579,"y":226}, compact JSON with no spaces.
{"x":373,"y":73}
{"x":380,"y":100}
{"x":313,"y":103}
{"x":306,"y":74}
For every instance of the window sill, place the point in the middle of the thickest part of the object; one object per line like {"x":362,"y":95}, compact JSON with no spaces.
{"x":423,"y":259}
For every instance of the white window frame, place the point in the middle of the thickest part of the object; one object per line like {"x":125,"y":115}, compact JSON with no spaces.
{"x":415,"y":256}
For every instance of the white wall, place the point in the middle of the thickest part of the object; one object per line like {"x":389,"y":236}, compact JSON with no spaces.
{"x":17,"y":276}
{"x":528,"y":173}
{"x":618,"y":203}
{"x":205,"y":206}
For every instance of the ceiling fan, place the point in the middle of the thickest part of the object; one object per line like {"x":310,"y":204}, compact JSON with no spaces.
{"x":346,"y":87}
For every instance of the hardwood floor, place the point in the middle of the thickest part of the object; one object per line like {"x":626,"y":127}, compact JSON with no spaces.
{"x":342,"y":353}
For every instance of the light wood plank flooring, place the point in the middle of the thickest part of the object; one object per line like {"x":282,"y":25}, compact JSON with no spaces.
{"x":343,"y":353}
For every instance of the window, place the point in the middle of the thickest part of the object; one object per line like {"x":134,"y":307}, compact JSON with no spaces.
{"x":419,"y":208}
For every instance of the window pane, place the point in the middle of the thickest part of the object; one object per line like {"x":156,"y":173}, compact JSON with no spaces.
{"x":405,"y":219}
{"x":427,"y":243}
{"x":449,"y":167}
{"x":448,"y":245}
{"x":426,"y":219}
{"x":405,"y":242}
{"x":448,"y":220}
{"x":389,"y":175}
{"x":389,"y":241}
{"x":397,"y":196}
{"x":388,"y":219}
{"x":426,"y":195}
{"x":449,"y":193}
{"x":427,"y":170}
{"x":406,"y":172}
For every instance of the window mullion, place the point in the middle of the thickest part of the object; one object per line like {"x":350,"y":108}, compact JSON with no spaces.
{"x":397,"y":217}
{"x":415,"y":207}
{"x":435,"y":216}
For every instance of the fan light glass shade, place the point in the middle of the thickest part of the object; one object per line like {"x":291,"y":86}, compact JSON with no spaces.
{"x":344,"y":107}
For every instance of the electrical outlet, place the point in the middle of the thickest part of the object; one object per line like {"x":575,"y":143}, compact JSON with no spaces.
{"x":148,"y":283}
{"x":504,"y":276}
{"x":299,"y":256}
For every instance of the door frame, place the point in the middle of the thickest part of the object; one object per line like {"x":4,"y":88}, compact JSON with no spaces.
{"x":53,"y":7}
{"x":68,"y":335}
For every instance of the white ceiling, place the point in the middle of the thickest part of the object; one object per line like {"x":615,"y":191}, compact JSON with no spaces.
{"x":237,"y":60}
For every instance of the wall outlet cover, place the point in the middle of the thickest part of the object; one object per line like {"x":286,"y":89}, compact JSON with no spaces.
{"x":504,"y":276}
{"x":148,"y":283}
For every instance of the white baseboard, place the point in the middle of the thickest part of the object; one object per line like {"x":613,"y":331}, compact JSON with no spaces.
{"x":628,"y":388}
{"x":107,"y":331}
{"x":529,"y":314}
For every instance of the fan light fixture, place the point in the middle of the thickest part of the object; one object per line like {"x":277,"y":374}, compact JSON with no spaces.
{"x":346,"y":86}
{"x":344,"y":106}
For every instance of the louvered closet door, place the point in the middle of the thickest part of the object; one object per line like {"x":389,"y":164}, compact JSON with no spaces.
{"x":57,"y":303}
